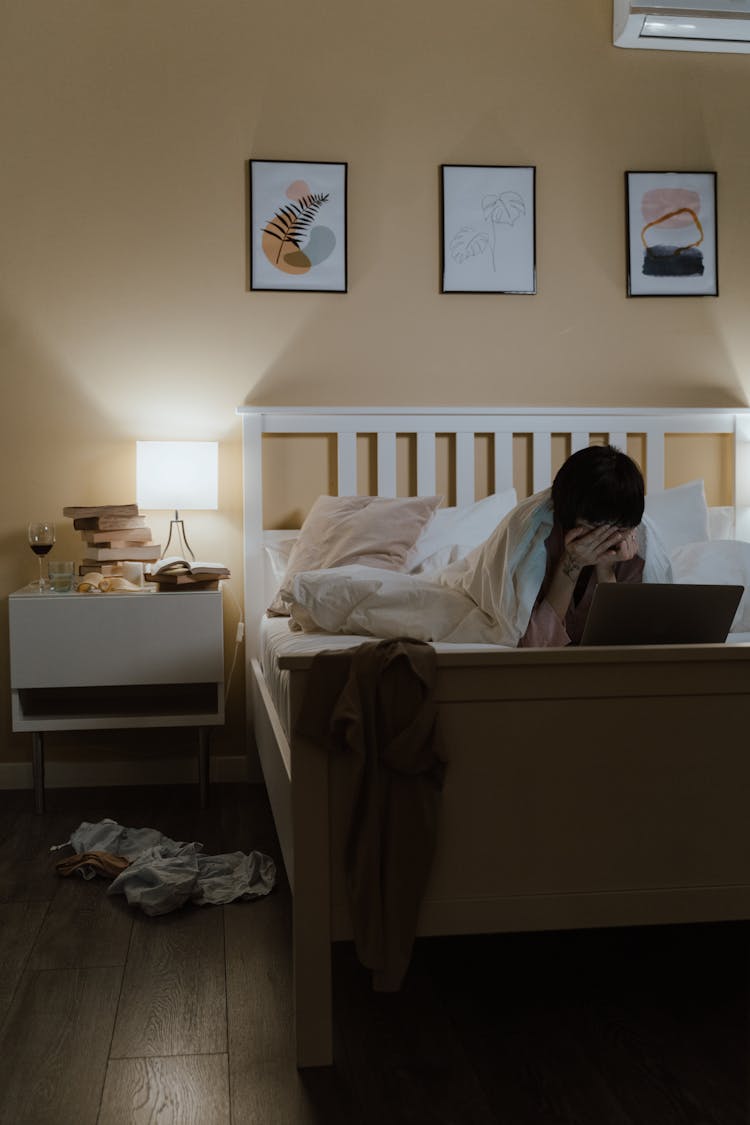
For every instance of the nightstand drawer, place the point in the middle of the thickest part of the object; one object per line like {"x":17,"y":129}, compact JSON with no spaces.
{"x":91,"y":640}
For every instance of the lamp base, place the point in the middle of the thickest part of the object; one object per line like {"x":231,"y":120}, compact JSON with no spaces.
{"x":177,"y":542}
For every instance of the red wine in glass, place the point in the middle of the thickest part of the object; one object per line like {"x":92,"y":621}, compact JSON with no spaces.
{"x":41,"y":540}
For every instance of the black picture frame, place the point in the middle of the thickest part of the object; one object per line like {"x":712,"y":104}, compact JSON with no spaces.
{"x":488,"y":228}
{"x":298,"y":226}
{"x":671,"y":234}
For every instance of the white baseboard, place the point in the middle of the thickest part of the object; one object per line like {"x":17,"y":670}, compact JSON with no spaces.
{"x":153,"y":771}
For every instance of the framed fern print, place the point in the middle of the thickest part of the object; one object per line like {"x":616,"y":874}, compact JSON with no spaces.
{"x":298,"y":226}
{"x":489,"y":229}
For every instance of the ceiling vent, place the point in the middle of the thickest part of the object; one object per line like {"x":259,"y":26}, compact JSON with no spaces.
{"x":683,"y":25}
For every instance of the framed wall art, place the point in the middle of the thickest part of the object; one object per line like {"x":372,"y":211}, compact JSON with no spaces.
{"x":488,"y":229}
{"x":671,"y":234}
{"x":298,"y":226}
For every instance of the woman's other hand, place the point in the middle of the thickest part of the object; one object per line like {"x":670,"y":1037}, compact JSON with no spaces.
{"x":602,"y":546}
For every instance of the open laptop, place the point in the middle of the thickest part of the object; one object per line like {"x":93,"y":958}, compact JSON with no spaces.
{"x":651,"y":613}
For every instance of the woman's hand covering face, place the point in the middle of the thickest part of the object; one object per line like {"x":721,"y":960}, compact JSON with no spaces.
{"x":604,"y":543}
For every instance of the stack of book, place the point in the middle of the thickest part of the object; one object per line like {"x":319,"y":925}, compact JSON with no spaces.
{"x":112,"y":534}
{"x":177,"y":573}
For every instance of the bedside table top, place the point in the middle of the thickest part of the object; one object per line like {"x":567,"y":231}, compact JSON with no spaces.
{"x":32,"y":591}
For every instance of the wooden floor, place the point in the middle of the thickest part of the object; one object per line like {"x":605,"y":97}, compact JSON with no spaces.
{"x":108,"y":1016}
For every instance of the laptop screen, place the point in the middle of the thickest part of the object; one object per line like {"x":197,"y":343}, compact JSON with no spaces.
{"x":650,"y":613}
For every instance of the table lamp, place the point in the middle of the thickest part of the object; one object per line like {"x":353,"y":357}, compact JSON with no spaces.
{"x":177,"y":475}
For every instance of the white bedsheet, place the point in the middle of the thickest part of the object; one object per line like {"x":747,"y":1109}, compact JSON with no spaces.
{"x":277,"y":639}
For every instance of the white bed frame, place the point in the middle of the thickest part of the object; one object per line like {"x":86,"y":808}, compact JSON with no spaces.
{"x":585,"y":787}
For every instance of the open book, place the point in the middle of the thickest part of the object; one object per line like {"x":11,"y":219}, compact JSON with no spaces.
{"x":175,"y":565}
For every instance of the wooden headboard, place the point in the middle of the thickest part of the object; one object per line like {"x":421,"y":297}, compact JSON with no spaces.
{"x":344,"y":424}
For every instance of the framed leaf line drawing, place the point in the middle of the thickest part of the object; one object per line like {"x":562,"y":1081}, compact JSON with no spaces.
{"x":488,"y":228}
{"x":298,"y":226}
{"x":671,"y":234}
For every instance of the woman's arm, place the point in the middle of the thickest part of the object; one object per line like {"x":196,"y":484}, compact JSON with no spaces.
{"x":601,"y":547}
{"x":545,"y":628}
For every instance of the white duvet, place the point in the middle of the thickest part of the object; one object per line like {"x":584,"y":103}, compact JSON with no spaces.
{"x":384,"y":603}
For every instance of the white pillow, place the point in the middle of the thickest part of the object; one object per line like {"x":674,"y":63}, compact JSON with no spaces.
{"x":680,"y":515}
{"x":453,"y":532}
{"x":721,"y":523}
{"x":722,"y":561}
{"x":277,"y":552}
{"x":373,"y":531}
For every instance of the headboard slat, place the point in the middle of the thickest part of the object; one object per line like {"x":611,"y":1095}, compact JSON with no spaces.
{"x":386,"y":464}
{"x":426,"y":477}
{"x":654,"y":459}
{"x":542,"y":460}
{"x":464,"y":468}
{"x":503,"y":445}
{"x":346,"y":456}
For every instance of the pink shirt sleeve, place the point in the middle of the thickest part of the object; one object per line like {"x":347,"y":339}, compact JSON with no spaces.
{"x":545,"y":629}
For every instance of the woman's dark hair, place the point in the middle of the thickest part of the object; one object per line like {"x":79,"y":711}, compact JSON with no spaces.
{"x":598,"y":484}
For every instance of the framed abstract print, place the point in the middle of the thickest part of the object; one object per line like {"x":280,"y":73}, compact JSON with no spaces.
{"x":671,"y":234}
{"x":298,"y":226}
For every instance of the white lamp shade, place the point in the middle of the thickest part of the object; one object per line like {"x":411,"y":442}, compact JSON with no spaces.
{"x":178,"y":475}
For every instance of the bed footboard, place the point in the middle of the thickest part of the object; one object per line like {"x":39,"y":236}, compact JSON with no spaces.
{"x":583,"y":788}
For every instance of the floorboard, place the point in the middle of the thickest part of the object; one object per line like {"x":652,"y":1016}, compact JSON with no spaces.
{"x":108,"y":1016}
{"x":20,"y":923}
{"x":173,"y":998}
{"x":83,"y":927}
{"x":54,"y":1046}
{"x":184,"y":1090}
{"x":259,"y":979}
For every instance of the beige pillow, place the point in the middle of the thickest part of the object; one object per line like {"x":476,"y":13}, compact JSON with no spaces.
{"x":344,"y":530}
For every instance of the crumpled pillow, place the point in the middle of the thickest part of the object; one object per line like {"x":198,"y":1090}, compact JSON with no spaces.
{"x":371,"y":531}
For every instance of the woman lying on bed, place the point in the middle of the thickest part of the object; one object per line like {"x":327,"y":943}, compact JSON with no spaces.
{"x":536,"y":575}
{"x":597,"y":501}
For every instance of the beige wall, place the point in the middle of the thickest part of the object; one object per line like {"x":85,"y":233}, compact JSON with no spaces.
{"x":125,"y":127}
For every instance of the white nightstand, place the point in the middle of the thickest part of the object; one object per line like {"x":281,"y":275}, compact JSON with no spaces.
{"x":88,"y":661}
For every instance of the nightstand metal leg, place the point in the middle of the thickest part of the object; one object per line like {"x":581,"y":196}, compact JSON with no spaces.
{"x":37,"y":768}
{"x":204,"y":734}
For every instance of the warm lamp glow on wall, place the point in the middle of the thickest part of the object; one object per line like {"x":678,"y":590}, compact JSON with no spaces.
{"x":177,"y":475}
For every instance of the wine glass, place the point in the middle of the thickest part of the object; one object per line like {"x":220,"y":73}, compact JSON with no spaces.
{"x":41,"y":541}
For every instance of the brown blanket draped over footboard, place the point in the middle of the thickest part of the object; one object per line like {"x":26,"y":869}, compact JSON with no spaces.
{"x":373,"y":706}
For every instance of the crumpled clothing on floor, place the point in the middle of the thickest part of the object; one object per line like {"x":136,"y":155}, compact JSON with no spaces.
{"x":163,"y":874}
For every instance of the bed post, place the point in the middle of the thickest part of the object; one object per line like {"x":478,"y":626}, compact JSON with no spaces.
{"x":742,"y":476}
{"x":252,"y":510}
{"x":252,"y":476}
{"x":311,"y":902}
